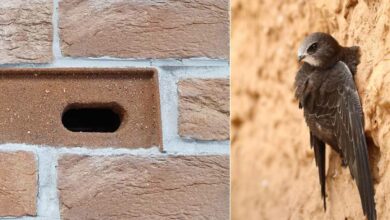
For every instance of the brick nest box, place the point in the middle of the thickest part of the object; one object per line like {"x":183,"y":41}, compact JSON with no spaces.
{"x":93,"y":107}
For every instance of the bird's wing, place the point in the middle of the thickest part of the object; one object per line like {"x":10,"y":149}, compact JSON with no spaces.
{"x":301,"y":83}
{"x":319,"y":154}
{"x":349,"y":130}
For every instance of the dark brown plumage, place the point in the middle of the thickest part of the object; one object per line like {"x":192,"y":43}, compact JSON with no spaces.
{"x":327,"y":93}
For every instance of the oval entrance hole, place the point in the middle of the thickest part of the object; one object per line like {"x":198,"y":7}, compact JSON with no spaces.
{"x":91,"y":119}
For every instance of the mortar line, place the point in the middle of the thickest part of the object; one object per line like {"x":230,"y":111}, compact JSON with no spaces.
{"x":203,"y":150}
{"x":96,"y":62}
{"x":56,"y":47}
{"x":47,"y":206}
{"x":48,"y":199}
{"x":205,"y":72}
{"x":170,"y":118}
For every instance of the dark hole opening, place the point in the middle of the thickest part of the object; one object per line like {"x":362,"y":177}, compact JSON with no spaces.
{"x":91,"y":119}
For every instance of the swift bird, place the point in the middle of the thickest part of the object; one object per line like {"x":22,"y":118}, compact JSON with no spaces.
{"x":327,"y":93}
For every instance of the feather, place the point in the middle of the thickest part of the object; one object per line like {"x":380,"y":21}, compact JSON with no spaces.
{"x":334,"y":114}
{"x":319,"y":154}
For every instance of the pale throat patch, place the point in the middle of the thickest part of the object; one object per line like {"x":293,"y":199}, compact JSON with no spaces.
{"x":310,"y":60}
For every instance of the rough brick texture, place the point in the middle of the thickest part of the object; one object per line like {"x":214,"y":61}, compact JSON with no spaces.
{"x":204,"y":109}
{"x":25,"y":31}
{"x":136,"y":187}
{"x":145,"y":29}
{"x":18,"y":184}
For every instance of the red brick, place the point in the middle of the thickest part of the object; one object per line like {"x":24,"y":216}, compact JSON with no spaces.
{"x":141,"y":187}
{"x":132,"y":92}
{"x":25,"y":31}
{"x":204,"y":109}
{"x":18,"y":184}
{"x":145,"y":29}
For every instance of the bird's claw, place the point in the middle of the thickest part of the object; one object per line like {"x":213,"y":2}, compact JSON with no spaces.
{"x":344,"y":162}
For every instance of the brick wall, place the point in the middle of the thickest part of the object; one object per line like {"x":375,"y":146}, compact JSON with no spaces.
{"x":188,"y":43}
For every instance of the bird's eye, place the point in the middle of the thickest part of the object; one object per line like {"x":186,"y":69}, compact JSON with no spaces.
{"x":312,"y":48}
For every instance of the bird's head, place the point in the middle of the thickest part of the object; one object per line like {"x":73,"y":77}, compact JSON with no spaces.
{"x":318,"y":49}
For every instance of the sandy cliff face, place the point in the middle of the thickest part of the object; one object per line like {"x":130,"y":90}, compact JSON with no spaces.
{"x":274,"y":174}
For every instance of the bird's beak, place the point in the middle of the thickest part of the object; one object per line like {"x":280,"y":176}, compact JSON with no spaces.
{"x":301,"y":57}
